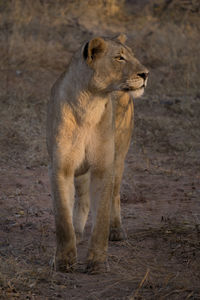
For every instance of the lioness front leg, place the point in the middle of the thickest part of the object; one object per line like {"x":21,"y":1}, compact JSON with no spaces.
{"x":63,"y":200}
{"x":102,"y":173}
{"x":101,"y":193}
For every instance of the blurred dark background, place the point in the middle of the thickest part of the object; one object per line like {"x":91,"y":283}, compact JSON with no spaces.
{"x":38,"y":38}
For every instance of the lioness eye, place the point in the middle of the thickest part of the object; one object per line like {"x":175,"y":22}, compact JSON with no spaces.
{"x":120,"y":58}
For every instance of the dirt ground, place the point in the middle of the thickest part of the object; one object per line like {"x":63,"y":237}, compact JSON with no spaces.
{"x":161,"y":185}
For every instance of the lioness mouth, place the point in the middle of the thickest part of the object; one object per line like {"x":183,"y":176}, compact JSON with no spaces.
{"x":129,"y":89}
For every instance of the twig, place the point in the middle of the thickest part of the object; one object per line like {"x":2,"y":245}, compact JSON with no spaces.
{"x":140,"y":285}
{"x":189,"y":295}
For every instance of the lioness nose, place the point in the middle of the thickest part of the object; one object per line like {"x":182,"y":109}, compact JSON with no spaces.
{"x":144,"y":75}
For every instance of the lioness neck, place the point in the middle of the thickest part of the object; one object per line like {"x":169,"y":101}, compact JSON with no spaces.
{"x":73,"y":87}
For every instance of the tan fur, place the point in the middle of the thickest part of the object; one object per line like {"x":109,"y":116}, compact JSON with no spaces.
{"x":89,"y":125}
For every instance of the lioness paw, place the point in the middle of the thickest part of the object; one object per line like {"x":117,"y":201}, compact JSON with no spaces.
{"x":65,"y":261}
{"x":117,"y":234}
{"x":95,"y":267}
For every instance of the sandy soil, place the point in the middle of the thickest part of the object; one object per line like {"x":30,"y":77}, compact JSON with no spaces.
{"x":159,"y":260}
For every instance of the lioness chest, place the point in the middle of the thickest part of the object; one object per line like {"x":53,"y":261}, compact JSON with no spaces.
{"x":84,"y":131}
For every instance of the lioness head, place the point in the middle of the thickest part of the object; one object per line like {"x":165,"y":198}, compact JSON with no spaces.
{"x":114,"y":66}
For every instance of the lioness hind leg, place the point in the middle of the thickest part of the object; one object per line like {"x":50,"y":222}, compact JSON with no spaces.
{"x":82,"y":204}
{"x":123,"y":131}
{"x":116,"y":230}
{"x":63,"y":199}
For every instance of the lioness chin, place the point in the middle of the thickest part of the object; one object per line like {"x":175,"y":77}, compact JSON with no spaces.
{"x":89,"y":125}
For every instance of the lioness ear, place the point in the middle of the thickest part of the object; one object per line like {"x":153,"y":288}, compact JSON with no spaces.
{"x":122,"y":38}
{"x":94,"y":49}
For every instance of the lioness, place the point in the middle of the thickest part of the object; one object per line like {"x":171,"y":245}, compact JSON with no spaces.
{"x":89,"y":125}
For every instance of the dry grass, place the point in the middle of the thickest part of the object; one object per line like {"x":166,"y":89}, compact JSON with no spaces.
{"x":152,"y":277}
